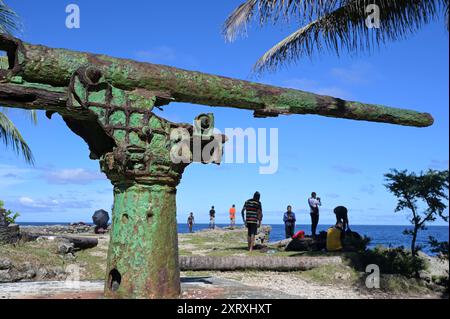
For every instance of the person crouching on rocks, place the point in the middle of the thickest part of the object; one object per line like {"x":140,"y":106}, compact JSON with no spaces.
{"x":341,"y":213}
{"x":289,"y":222}
{"x":335,"y":235}
{"x":252,"y":217}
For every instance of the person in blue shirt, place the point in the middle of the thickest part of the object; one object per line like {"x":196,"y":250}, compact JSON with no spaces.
{"x":289,"y":222}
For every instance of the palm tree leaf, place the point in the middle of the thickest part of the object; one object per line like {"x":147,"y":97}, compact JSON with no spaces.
{"x":345,"y":29}
{"x":275,"y":11}
{"x":238,"y":20}
{"x":446,"y":5}
{"x":11,"y":136}
{"x":9,"y":21}
{"x":32,"y":114}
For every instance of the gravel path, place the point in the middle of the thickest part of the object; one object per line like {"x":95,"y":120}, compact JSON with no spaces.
{"x":305,"y":289}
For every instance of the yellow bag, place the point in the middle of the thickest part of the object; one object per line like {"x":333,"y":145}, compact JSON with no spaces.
{"x":334,"y":239}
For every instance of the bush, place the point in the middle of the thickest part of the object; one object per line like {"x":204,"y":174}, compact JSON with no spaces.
{"x":439,"y":248}
{"x":9,"y":215}
{"x":355,"y":243}
{"x":391,"y":261}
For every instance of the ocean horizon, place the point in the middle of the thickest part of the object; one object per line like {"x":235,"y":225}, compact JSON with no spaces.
{"x":380,"y":235}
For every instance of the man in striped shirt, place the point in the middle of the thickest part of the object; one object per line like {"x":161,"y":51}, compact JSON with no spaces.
{"x":252,"y":216}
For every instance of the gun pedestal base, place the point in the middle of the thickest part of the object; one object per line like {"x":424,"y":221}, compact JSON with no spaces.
{"x":143,"y":249}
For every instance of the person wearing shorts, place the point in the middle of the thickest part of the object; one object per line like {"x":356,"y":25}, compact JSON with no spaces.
{"x":252,"y":217}
{"x":212,"y":218}
{"x":232,"y":215}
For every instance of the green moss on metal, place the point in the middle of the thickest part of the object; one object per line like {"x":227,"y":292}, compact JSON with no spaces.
{"x":118,"y":118}
{"x":195,"y":87}
{"x":144,"y":245}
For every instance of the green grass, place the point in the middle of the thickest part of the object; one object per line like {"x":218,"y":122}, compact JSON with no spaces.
{"x":232,"y":243}
{"x":332,"y":274}
{"x":400,"y":284}
{"x":93,"y":267}
{"x":39,"y":254}
{"x":44,"y":254}
{"x":195,"y":274}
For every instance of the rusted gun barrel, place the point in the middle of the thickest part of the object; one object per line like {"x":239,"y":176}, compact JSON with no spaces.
{"x":40,"y":64}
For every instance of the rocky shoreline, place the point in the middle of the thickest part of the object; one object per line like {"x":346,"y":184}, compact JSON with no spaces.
{"x":51,"y":257}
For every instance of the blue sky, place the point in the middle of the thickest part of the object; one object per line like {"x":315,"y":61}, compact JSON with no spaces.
{"x":342,"y":160}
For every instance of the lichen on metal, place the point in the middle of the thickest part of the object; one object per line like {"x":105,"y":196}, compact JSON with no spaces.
{"x":109,"y":103}
{"x":173,"y":84}
{"x":143,"y":253}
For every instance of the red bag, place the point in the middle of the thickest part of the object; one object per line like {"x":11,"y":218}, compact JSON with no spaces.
{"x":300,"y":234}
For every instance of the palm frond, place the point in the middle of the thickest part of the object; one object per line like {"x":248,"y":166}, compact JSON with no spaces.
{"x":12,"y":137}
{"x":32,"y":114}
{"x":266,"y":11}
{"x":446,"y":5}
{"x":345,"y":29}
{"x":9,"y":21}
{"x":236,"y":23}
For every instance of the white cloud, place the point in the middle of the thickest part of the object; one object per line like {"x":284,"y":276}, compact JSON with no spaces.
{"x":157,"y":54}
{"x":439,"y":164}
{"x":26,"y":201}
{"x":315,"y":87}
{"x":12,"y":175}
{"x":45,"y":204}
{"x":369,"y":189}
{"x":56,"y":204}
{"x":166,"y":55}
{"x":355,"y":74}
{"x":73,"y":176}
{"x":346,"y":169}
{"x":358,"y":73}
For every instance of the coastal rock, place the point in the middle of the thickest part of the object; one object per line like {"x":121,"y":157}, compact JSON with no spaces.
{"x":306,"y":244}
{"x":4,"y":275}
{"x":45,"y":238}
{"x":281,"y":243}
{"x":263,"y":235}
{"x":5,"y":264}
{"x":342,"y":276}
{"x":58,"y":229}
{"x":3,"y":222}
{"x":30,"y":274}
{"x":51,"y":273}
{"x":10,"y":272}
{"x":425,"y":275}
{"x":9,"y":234}
{"x":436,"y":266}
{"x":65,"y":248}
{"x":13,"y":275}
{"x":41,"y":273}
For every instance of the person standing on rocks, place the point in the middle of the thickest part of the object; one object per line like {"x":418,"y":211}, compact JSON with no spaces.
{"x":314,"y":203}
{"x":252,"y":217}
{"x":232,"y":215}
{"x":212,"y":218}
{"x":190,"y":222}
{"x":289,"y":222}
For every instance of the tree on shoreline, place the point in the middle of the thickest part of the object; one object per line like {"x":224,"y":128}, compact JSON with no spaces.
{"x":9,"y":133}
{"x":333,"y":25}
{"x":424,"y":195}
